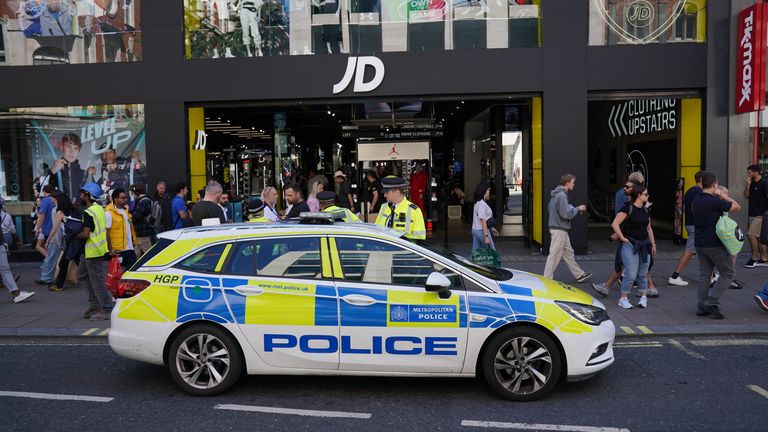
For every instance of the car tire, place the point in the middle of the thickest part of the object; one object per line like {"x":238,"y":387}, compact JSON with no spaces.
{"x":521,"y":364}
{"x":204,"y":360}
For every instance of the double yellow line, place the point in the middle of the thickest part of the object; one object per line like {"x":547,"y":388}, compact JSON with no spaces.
{"x":95,"y":332}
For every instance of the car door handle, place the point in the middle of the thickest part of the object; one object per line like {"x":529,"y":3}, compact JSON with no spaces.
{"x":249,"y":290}
{"x":359,"y":300}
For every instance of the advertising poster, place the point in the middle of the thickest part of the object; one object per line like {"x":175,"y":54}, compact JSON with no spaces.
{"x":69,"y":147}
{"x":238,"y":28}
{"x":426,"y":10}
{"x":69,"y":31}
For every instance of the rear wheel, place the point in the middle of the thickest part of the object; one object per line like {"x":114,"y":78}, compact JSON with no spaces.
{"x":521,"y":364}
{"x":204,"y":360}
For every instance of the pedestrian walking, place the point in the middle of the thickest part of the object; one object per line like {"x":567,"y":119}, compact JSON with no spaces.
{"x":399,"y":213}
{"x":43,"y":227}
{"x":708,"y":207}
{"x":121,"y":234}
{"x":327,"y":200}
{"x":8,"y":229}
{"x":632,"y":226}
{"x":179,"y":207}
{"x":690,"y":249}
{"x":92,"y":270}
{"x":56,"y":243}
{"x":756,"y":192}
{"x":269,"y":197}
{"x":142,"y":212}
{"x":560,"y":215}
{"x":208,"y":207}
{"x":483,"y":223}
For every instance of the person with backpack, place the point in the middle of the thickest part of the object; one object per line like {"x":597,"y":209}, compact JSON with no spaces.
{"x":142,"y":218}
{"x":708,"y":207}
{"x":64,"y":208}
{"x":632,"y":227}
{"x":7,"y":228}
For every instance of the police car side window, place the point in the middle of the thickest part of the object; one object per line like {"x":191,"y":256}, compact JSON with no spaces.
{"x":204,"y":260}
{"x":373,"y":261}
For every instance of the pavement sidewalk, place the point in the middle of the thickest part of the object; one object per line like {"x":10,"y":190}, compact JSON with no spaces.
{"x":673,"y":313}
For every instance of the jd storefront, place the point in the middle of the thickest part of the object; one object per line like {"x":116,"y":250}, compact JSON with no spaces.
{"x":658,"y":136}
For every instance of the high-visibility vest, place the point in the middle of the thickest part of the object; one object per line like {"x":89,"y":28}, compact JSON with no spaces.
{"x":348,"y":215}
{"x":261,"y":219}
{"x":96,"y":244}
{"x":405,"y":217}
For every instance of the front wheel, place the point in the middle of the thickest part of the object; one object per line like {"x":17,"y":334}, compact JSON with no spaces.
{"x":521,"y":364}
{"x":204,"y":360}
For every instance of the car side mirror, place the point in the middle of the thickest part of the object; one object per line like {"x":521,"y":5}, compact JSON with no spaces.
{"x":438,"y":282}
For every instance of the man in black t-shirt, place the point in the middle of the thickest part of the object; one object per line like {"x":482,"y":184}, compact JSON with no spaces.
{"x":707,"y":207}
{"x":756,"y":191}
{"x":208,"y":207}
{"x":690,"y":249}
{"x":294,"y":198}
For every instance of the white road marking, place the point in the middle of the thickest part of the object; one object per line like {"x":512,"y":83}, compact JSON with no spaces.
{"x":729,"y":342}
{"x":291,"y":411}
{"x":759,"y":390}
{"x":638,"y":345}
{"x":685,"y":349}
{"x":534,"y":426}
{"x":51,"y":396}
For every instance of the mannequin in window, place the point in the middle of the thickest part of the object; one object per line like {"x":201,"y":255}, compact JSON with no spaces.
{"x":250,"y":15}
{"x":331,"y":32}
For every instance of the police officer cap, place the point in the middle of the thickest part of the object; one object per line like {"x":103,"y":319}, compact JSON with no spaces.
{"x":255,"y":205}
{"x":392,"y":182}
{"x":326,"y":196}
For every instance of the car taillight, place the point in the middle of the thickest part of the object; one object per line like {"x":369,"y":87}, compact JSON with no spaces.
{"x":130,"y":287}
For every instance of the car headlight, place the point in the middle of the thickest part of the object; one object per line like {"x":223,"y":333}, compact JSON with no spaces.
{"x":585,"y":313}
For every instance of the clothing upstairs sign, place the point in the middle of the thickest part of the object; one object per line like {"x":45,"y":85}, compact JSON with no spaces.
{"x":750,"y":59}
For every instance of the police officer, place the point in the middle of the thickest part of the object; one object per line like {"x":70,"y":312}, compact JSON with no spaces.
{"x":399,"y":213}
{"x":327,"y":201}
{"x":256,"y":211}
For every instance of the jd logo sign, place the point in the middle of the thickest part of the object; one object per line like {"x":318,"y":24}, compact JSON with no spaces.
{"x":356,"y":69}
{"x":639,"y":15}
{"x":201,"y":139}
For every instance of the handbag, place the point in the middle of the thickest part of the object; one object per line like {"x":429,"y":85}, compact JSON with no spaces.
{"x":114,"y":274}
{"x":486,"y":256}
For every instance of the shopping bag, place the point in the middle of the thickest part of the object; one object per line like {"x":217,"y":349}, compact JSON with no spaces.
{"x":72,"y":273}
{"x":730,"y":234}
{"x":114,"y":273}
{"x":486,"y":256}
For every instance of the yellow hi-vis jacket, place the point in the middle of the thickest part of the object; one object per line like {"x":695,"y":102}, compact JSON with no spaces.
{"x":96,"y":244}
{"x":405,"y":217}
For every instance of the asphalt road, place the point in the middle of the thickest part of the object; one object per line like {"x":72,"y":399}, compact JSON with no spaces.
{"x":661,"y":384}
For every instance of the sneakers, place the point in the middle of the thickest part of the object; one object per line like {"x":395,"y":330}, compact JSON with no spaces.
{"x":677,"y":281}
{"x":42,"y":282}
{"x":735,"y":285}
{"x":643,"y":303}
{"x":55,"y":288}
{"x":600,"y":288}
{"x":763,"y":304}
{"x":752,"y":263}
{"x":23,"y":296}
{"x":583,"y":277}
{"x":90,"y":312}
{"x":101,"y":315}
{"x":761,"y":263}
{"x":710,"y":311}
{"x":624,"y":303}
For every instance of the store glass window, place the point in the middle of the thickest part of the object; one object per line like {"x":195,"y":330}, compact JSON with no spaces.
{"x":47,"y":32}
{"x":66,"y":147}
{"x":253,"y":28}
{"x":616,"y":22}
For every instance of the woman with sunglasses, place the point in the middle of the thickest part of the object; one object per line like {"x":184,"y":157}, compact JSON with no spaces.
{"x":632,"y":226}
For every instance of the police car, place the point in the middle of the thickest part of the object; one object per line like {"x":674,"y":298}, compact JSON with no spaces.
{"x":212,"y":303}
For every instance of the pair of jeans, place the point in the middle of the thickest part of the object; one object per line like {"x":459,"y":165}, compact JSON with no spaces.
{"x":48,"y":269}
{"x":92,"y":274}
{"x":634,"y":269}
{"x":5,"y":270}
{"x":478,"y":239}
{"x":711,"y":258}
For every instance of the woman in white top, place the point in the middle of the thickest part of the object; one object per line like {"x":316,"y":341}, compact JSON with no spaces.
{"x":269,"y":197}
{"x":481,"y":233}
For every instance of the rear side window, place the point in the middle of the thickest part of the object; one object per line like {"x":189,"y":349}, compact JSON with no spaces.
{"x":204,"y":260}
{"x":294,"y":257}
{"x":158,"y":247}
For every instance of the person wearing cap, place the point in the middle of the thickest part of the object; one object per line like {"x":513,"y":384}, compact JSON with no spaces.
{"x":256,"y":211}
{"x":327,"y":200}
{"x":399,"y":213}
{"x":344,"y":191}
{"x":92,"y":270}
{"x":7,"y":228}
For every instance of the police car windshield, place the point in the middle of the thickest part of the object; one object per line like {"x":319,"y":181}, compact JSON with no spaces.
{"x":494,"y":273}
